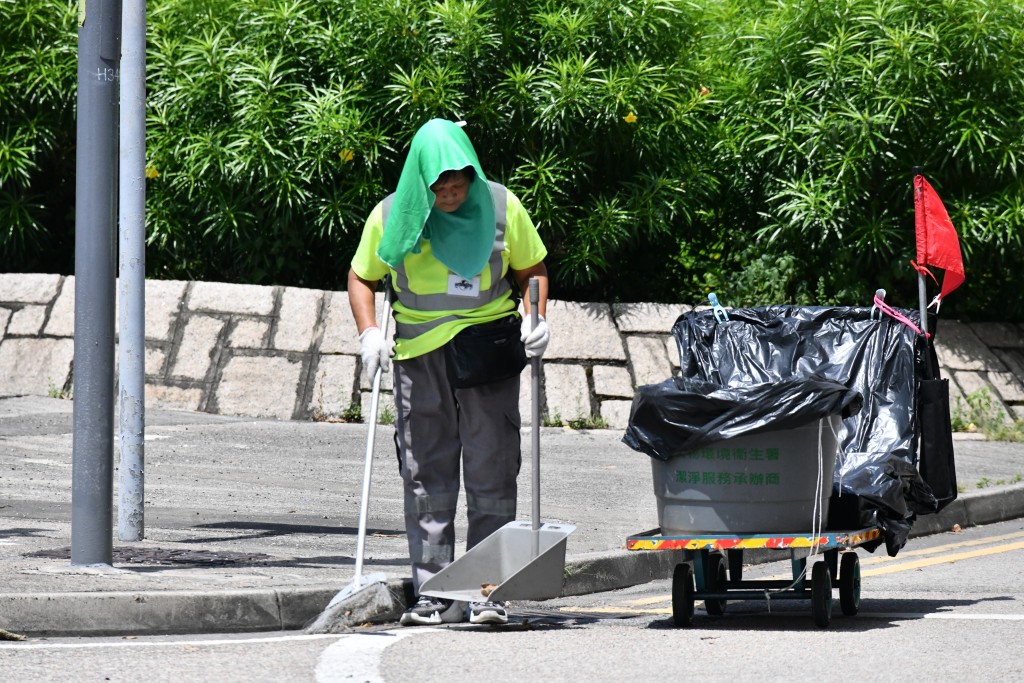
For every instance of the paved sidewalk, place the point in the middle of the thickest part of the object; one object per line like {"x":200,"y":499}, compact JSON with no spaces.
{"x":251,"y":524}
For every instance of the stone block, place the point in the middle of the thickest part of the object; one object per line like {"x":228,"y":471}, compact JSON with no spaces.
{"x":243,"y":385}
{"x":1013,"y":360}
{"x":582,"y":332}
{"x":615,"y":413}
{"x":567,"y":391}
{"x":192,"y":360}
{"x":971,"y":382}
{"x":34,"y":366}
{"x":296,"y":323}
{"x":5,"y":316}
{"x":387,"y":379}
{"x":164,"y":302}
{"x":959,"y":348}
{"x":62,"y":316}
{"x":249,"y":334}
{"x":27,"y":321}
{"x":998,"y":335}
{"x":612,"y":380}
{"x":648,"y":318}
{"x":385,"y":411}
{"x":650,"y":359}
{"x":957,"y":400}
{"x":335,"y":380}
{"x":154,"y":361}
{"x":28,"y":288}
{"x":222,"y":297}
{"x":1009,"y":387}
{"x":526,"y":395}
{"x":340,"y":327}
{"x":169,"y":397}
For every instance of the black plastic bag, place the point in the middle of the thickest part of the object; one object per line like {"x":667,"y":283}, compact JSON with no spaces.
{"x":870,"y":354}
{"x":681,"y":415}
{"x":936,"y":430}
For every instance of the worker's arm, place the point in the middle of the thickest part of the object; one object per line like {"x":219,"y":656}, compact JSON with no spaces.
{"x":360,"y":298}
{"x":522,"y":278}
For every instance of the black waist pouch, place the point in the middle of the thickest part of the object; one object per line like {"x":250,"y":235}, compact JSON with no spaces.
{"x":485,"y":353}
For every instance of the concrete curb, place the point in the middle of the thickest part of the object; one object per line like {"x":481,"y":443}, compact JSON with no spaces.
{"x":240,"y":611}
{"x":974,"y":509}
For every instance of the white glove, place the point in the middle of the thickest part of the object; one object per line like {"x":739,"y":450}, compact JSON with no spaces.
{"x":535,"y":339}
{"x":374,"y":350}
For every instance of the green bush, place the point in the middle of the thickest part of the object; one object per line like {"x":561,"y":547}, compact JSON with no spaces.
{"x":828,"y":106}
{"x":38,"y":75}
{"x":665,"y":148}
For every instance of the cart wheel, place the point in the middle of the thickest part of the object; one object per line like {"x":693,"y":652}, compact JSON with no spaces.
{"x":849,"y":584}
{"x":716,"y":582}
{"x":821,"y":594}
{"x":682,"y":595}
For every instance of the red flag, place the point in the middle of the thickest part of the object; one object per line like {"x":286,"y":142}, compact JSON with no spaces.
{"x":937,"y":241}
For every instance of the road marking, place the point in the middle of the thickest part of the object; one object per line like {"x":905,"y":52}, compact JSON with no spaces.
{"x":639,"y":604}
{"x":899,"y":565}
{"x":860,"y":615}
{"x":943,"y":548}
{"x":943,"y":559}
{"x":941,"y":615}
{"x":356,"y":656}
{"x":165,"y":643}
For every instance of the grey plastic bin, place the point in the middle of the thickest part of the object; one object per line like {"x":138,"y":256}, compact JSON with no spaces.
{"x":758,"y":483}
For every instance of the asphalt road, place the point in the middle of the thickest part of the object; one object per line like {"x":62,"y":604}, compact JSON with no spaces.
{"x":948,"y":607}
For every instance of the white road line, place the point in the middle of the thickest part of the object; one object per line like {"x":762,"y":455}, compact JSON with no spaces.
{"x":166,"y":643}
{"x":942,"y":615}
{"x":356,"y":656}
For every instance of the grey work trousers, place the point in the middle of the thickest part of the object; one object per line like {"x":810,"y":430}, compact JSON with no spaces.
{"x":436,"y":426}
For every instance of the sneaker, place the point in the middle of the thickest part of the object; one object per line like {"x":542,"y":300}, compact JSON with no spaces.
{"x":487,"y":613}
{"x":431,"y":611}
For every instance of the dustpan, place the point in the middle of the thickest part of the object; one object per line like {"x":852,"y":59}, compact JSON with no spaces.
{"x":523,"y":560}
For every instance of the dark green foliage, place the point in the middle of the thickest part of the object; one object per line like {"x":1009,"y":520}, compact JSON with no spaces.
{"x":664,"y":148}
{"x":829,"y":106}
{"x":38,"y":72}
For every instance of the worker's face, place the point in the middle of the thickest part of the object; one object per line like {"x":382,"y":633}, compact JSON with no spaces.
{"x":451,"y":193}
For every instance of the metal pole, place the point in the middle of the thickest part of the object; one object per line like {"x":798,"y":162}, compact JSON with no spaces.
{"x":95,"y":195}
{"x":534,"y":290}
{"x":132,"y":271}
{"x":922,"y":286}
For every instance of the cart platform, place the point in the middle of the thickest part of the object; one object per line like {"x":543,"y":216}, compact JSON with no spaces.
{"x":710,"y":580}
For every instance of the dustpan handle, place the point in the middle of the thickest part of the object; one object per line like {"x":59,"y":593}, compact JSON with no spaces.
{"x":535,"y":417}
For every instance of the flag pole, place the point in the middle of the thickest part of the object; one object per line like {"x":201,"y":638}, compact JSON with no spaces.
{"x":922,"y":286}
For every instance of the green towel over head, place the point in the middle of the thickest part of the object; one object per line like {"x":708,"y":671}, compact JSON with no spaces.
{"x":463,"y":239}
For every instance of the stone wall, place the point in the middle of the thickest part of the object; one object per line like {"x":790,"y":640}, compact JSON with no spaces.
{"x":292,"y":353}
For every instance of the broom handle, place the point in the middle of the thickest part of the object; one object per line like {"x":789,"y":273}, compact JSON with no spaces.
{"x":535,"y":417}
{"x":364,"y":502}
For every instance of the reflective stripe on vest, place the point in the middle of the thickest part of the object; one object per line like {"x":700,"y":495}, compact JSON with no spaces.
{"x":443,"y":301}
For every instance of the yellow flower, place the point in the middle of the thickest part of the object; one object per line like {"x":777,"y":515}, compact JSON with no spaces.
{"x":629,"y":118}
{"x":346,"y":155}
{"x":151,"y":172}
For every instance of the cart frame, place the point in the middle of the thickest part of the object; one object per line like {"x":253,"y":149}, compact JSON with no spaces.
{"x":710,"y":581}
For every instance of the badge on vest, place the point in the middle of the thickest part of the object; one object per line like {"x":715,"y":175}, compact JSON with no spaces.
{"x":460,"y":287}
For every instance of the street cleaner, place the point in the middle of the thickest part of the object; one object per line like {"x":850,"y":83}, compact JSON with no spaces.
{"x":453,"y":247}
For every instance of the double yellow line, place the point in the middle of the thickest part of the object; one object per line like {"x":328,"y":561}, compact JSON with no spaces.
{"x":876,"y":566}
{"x":892,"y":565}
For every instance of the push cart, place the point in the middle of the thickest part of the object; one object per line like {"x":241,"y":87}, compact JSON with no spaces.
{"x":716,"y":574}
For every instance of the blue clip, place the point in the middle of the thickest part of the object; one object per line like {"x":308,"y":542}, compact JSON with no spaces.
{"x":716,"y":308}
{"x":880,"y":293}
